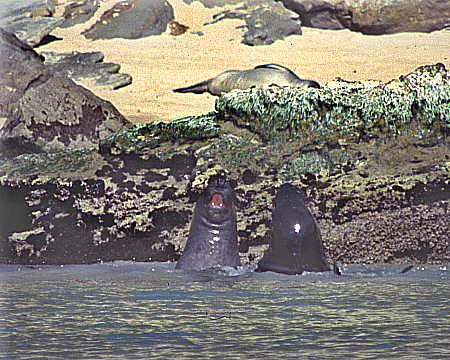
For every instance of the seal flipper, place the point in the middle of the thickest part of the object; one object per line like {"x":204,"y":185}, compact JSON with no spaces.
{"x":278,"y":268}
{"x":336,"y":270}
{"x":406,"y":269}
{"x":198,"y":88}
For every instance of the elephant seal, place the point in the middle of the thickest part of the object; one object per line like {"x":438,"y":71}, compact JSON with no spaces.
{"x":267,"y":74}
{"x":296,"y":244}
{"x":212,"y":237}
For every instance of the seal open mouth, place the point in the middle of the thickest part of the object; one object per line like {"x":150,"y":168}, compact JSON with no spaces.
{"x":216,"y":200}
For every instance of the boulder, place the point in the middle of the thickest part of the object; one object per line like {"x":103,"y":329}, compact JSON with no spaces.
{"x":371,"y":156}
{"x":265,"y":21}
{"x":322,"y":14}
{"x":373,"y":17}
{"x":132,"y":19}
{"x":42,"y":110}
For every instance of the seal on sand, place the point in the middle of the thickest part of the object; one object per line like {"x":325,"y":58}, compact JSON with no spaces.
{"x":296,"y":244}
{"x":267,"y":74}
{"x":212,"y":237}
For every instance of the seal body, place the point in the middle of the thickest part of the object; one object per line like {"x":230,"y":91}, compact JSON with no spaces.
{"x":296,"y":244}
{"x":212,"y":237}
{"x":267,"y":74}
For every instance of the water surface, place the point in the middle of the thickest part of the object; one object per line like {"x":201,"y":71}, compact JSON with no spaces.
{"x":125,"y":310}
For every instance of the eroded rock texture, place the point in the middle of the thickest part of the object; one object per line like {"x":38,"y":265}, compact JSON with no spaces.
{"x":87,"y":67}
{"x":45,"y":111}
{"x":132,"y":19}
{"x":373,"y":16}
{"x":378,"y":188}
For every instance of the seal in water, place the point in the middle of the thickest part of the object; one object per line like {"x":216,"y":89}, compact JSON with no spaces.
{"x":296,"y":243}
{"x":267,"y":74}
{"x":212,"y":237}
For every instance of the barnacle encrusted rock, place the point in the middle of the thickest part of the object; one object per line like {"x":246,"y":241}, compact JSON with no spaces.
{"x":373,"y":159}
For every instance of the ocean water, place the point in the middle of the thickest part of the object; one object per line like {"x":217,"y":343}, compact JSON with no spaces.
{"x":126,"y":310}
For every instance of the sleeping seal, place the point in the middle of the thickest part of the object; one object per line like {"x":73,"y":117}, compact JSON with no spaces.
{"x":296,"y":244}
{"x":212,"y":237}
{"x":267,"y":74}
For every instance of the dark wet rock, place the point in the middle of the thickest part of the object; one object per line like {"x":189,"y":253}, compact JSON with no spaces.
{"x":77,"y":12}
{"x":87,"y":66}
{"x":381,"y":196}
{"x":29,"y":20}
{"x":265,"y":21}
{"x":132,"y":19}
{"x":373,"y":17}
{"x":45,"y":111}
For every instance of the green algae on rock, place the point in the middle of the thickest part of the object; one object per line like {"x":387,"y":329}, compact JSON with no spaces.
{"x":52,"y":164}
{"x":416,"y":104}
{"x":151,"y":135}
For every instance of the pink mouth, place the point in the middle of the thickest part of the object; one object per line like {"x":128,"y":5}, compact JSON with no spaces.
{"x":216,"y":200}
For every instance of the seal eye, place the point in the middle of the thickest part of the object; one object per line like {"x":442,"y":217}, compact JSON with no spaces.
{"x":216,"y":200}
{"x":297,"y":228}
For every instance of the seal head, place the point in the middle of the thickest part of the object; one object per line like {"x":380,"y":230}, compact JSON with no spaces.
{"x":212,"y":237}
{"x":296,"y":244}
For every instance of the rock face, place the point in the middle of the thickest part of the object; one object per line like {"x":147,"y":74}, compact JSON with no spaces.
{"x":372,"y":158}
{"x":373,"y":16}
{"x":29,"y":20}
{"x":323,"y":14}
{"x":87,"y":66}
{"x":46,"y":111}
{"x":265,"y":21}
{"x":132,"y":19}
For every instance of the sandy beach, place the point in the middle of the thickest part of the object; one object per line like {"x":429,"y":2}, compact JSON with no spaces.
{"x":160,"y":63}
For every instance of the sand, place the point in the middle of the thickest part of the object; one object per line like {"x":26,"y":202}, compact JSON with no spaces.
{"x":161,"y":63}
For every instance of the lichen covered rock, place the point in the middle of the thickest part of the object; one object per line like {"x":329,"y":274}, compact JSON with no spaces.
{"x":416,"y":104}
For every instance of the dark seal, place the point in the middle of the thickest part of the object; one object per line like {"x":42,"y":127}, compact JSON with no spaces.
{"x":212,"y":240}
{"x":296,"y":244}
{"x":267,"y":74}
